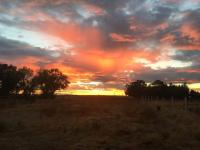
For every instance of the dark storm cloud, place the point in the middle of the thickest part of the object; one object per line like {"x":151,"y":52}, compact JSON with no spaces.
{"x":169,"y":75}
{"x":11,"y":49}
{"x":193,"y":17}
{"x":154,"y":16}
{"x":105,"y":78}
{"x":188,"y":55}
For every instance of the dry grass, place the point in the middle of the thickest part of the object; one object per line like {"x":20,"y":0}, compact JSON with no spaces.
{"x":96,"y":122}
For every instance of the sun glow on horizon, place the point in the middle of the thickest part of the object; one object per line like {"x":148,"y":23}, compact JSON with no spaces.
{"x":114,"y":92}
{"x":194,"y":86}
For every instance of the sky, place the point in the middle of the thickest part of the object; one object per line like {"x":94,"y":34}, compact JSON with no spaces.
{"x":103,"y":44}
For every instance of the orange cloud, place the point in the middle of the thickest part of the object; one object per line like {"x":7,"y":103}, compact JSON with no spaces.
{"x":121,"y":38}
{"x":189,"y":30}
{"x":95,"y":9}
{"x":82,"y":37}
{"x":168,"y":38}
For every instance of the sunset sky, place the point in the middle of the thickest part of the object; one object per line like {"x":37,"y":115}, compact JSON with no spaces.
{"x":103,"y":44}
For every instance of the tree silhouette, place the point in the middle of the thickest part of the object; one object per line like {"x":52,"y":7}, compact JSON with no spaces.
{"x":136,"y":89}
{"x":8,"y":79}
{"x":158,"y":83}
{"x":48,"y":81}
{"x":26,"y":84}
{"x":22,"y":80}
{"x":158,"y":89}
{"x":194,"y":95}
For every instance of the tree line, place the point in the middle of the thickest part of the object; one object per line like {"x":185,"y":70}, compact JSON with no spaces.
{"x":160,"y":90}
{"x":24,"y":81}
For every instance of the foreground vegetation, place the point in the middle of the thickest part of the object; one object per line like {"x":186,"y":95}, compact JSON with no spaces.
{"x":97,"y":122}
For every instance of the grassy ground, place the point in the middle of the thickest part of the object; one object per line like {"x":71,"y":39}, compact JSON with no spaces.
{"x":97,"y":122}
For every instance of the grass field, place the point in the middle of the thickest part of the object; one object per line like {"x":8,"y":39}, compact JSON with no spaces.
{"x":97,"y":122}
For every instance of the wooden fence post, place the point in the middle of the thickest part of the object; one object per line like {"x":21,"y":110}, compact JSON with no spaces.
{"x":186,"y":104}
{"x":172,"y":101}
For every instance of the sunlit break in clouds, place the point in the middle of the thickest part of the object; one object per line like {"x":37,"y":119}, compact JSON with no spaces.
{"x":103,"y":44}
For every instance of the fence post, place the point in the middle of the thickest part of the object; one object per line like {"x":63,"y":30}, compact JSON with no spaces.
{"x":186,"y":104}
{"x":172,"y":101}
